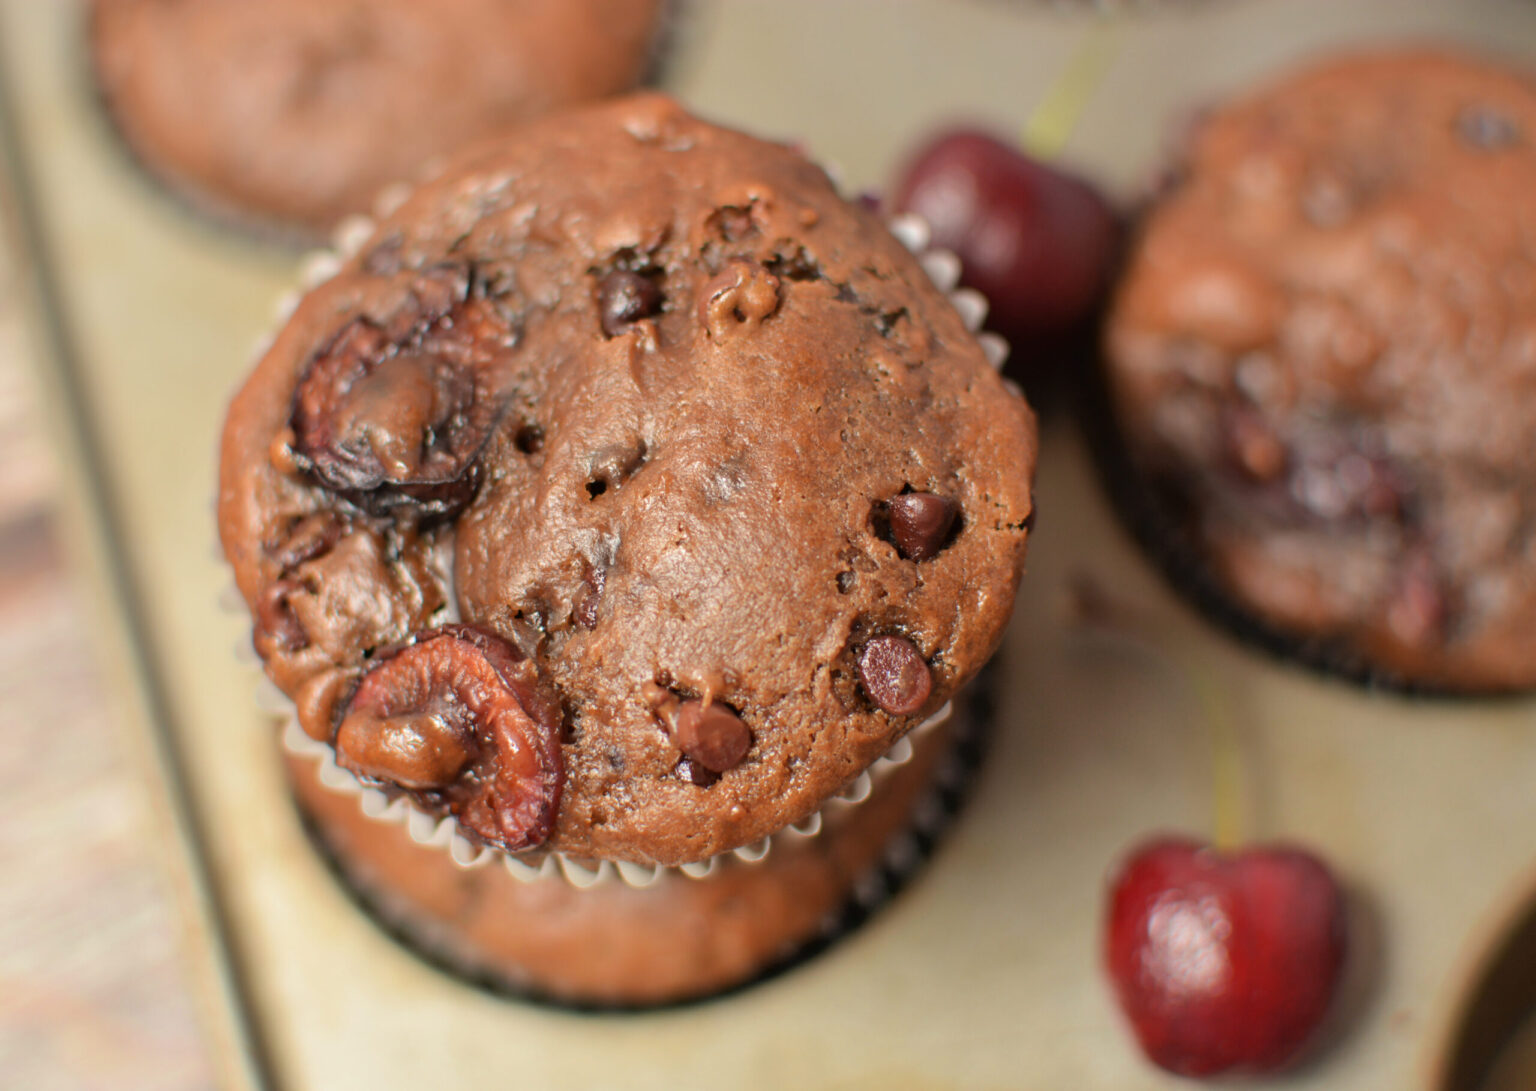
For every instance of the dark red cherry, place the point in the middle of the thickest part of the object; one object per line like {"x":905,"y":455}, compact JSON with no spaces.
{"x":1224,"y":962}
{"x":1037,"y":242}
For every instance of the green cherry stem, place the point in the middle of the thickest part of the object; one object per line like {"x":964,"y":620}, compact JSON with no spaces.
{"x":1088,"y":604}
{"x":1226,"y":755}
{"x":1052,"y":123}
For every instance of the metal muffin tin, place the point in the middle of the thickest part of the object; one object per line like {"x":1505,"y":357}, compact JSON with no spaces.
{"x":985,"y":973}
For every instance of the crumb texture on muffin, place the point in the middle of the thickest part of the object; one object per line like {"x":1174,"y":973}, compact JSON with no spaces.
{"x":645,"y":402}
{"x":1322,"y":358}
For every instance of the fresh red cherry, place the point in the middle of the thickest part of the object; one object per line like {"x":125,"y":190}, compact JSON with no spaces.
{"x":1224,"y":962}
{"x":1036,"y":242}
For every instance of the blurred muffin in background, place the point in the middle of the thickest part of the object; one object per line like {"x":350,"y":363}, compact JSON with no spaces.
{"x":291,"y":114}
{"x":1321,"y":364}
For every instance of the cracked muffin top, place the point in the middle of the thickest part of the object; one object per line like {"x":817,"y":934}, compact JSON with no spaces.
{"x":1323,"y":355}
{"x":626,"y":494}
{"x":296,"y":112}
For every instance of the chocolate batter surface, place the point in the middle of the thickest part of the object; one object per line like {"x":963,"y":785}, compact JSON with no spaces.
{"x":711,"y":382}
{"x":1323,"y":360}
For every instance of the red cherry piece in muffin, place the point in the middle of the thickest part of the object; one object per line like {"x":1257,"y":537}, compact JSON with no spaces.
{"x":458,"y":720}
{"x":390,"y":419}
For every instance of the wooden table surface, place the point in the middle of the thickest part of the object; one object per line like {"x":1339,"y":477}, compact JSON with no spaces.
{"x":92,"y":989}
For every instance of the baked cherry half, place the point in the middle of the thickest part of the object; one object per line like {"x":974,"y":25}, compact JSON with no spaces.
{"x":461,"y":722}
{"x":396,"y":417}
{"x":1224,"y":962}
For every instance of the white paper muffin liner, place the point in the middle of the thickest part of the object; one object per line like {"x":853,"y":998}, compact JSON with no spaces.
{"x":443,"y":831}
{"x":943,"y":269}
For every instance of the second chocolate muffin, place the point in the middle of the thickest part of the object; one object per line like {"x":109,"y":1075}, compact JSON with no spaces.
{"x":1322,"y":363}
{"x":292,"y":113}
{"x":623,"y":499}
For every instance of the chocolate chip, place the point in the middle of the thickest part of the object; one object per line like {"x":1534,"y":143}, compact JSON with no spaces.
{"x":529,"y":439}
{"x":624,"y":298}
{"x":895,"y":675}
{"x":711,"y":735}
{"x":695,"y":773}
{"x":920,"y":523}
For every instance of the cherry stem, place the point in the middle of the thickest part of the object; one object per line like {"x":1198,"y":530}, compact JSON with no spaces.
{"x":1226,"y":756}
{"x":1052,"y":123}
{"x":1089,"y":605}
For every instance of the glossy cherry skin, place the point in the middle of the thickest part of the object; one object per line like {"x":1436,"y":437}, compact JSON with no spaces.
{"x":1224,"y":962}
{"x":1036,"y":242}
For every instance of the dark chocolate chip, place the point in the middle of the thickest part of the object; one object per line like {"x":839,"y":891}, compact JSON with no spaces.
{"x":711,"y":734}
{"x":529,"y":439}
{"x":895,"y":675}
{"x":920,"y":523}
{"x":624,"y":298}
{"x":695,"y":773}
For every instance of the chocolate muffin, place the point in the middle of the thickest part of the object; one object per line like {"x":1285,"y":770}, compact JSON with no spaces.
{"x":294,"y":114}
{"x":620,"y":502}
{"x":1322,"y":367}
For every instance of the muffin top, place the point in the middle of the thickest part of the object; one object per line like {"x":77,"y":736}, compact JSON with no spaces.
{"x":300,"y":112}
{"x":1324,"y":350}
{"x":688,"y":453}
